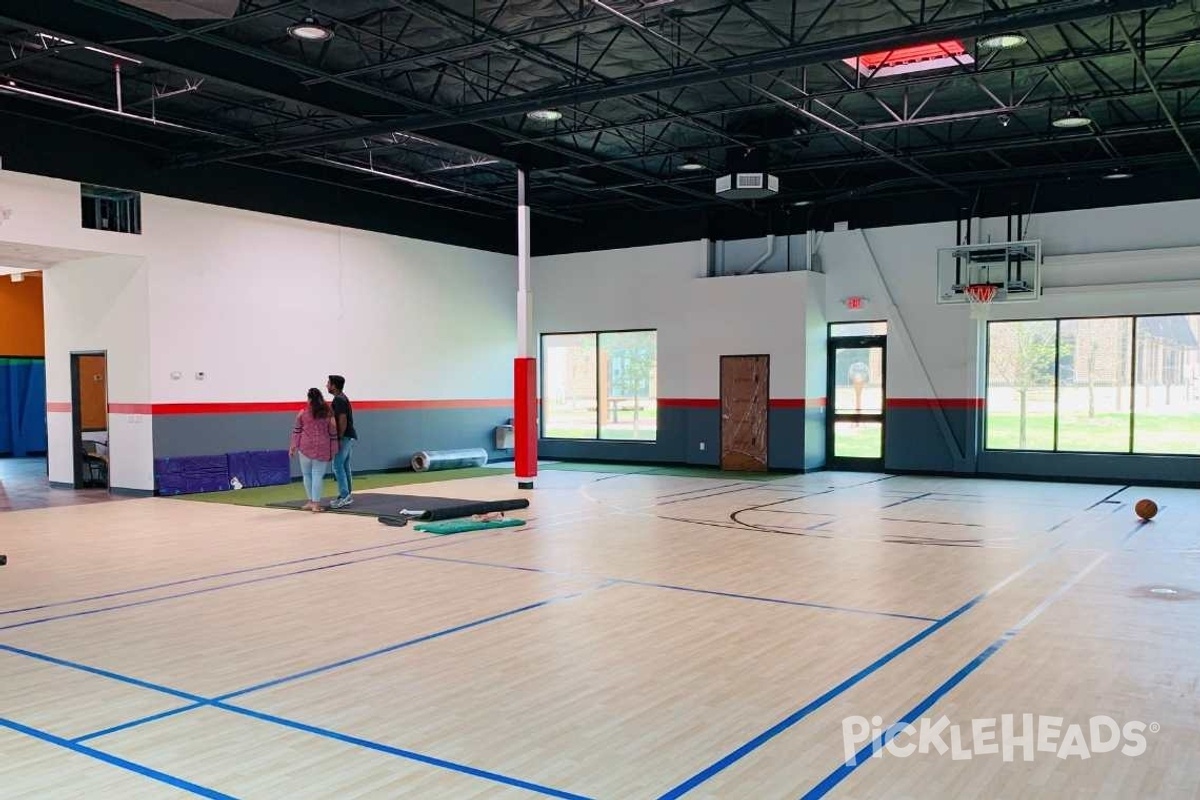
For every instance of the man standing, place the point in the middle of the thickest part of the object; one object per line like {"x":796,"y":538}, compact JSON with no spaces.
{"x":343,"y":413}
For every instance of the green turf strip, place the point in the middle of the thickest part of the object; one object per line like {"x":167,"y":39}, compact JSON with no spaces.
{"x":263,"y":496}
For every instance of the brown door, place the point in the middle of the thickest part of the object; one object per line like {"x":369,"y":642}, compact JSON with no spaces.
{"x":744,"y":403}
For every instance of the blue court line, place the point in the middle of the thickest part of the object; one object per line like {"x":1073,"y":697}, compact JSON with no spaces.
{"x":184,"y":581}
{"x":392,"y":648}
{"x":116,"y":761}
{"x":200,"y":702}
{"x":789,"y":721}
{"x":717,"y":593}
{"x":136,"y":722}
{"x":890,"y":733}
{"x":409,"y":754}
{"x":284,"y":722}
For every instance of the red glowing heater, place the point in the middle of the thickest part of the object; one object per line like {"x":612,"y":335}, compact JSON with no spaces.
{"x":920,"y":58}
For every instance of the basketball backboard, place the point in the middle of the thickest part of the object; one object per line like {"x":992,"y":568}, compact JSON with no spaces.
{"x":1014,"y":268}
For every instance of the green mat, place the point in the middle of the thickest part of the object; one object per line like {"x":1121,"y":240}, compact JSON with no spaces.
{"x":463,"y":525}
{"x":265,"y":496}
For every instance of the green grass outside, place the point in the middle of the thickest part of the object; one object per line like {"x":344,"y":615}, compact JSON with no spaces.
{"x":1177,"y":434}
{"x":864,"y":441}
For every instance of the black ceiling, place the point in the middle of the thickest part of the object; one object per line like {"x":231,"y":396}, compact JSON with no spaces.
{"x":414,"y":117}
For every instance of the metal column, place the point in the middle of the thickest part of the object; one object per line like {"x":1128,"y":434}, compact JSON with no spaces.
{"x":525,"y":380}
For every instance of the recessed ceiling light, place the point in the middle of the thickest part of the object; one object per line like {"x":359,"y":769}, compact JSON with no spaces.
{"x":1117,"y":174}
{"x":691,"y":165}
{"x":802,"y":202}
{"x":1072,"y":120}
{"x":310,"y":31}
{"x":1003,"y":41}
{"x":546,"y":115}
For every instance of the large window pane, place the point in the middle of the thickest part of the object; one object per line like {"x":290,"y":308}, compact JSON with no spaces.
{"x":1093,"y":384}
{"x":1167,"y":392}
{"x":1020,"y":390}
{"x":569,"y":386}
{"x":628,"y":388}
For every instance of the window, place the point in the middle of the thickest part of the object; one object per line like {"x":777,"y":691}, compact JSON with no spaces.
{"x":1096,"y":385}
{"x":600,"y":385}
{"x":1166,"y":392}
{"x":857,"y":329}
{"x":106,"y":209}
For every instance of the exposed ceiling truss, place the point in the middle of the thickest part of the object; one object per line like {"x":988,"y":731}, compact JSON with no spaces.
{"x":437,"y":101}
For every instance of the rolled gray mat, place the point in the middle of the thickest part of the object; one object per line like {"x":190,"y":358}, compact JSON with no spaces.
{"x":427,"y":460}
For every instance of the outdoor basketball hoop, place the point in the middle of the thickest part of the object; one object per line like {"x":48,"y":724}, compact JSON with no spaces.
{"x":980,"y":296}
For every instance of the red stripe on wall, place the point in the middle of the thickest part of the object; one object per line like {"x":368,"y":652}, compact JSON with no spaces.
{"x":130,"y":408}
{"x":935,"y":402}
{"x":176,"y":409}
{"x":776,"y":402}
{"x":688,"y":402}
{"x":58,"y":408}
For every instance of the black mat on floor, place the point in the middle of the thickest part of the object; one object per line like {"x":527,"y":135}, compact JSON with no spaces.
{"x":411,"y":506}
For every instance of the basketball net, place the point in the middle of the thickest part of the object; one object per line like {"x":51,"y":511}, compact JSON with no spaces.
{"x":980,"y":296}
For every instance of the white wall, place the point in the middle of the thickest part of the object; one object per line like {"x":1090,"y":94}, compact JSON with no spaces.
{"x":101,"y":305}
{"x":264,"y":306}
{"x":268,"y":306}
{"x":45,"y":212}
{"x":1129,"y":260}
{"x":698,"y":319}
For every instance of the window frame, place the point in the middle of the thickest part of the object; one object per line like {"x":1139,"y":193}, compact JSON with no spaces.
{"x":1133,"y":385}
{"x":595,"y":334}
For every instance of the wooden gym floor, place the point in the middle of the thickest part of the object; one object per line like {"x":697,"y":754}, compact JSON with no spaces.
{"x":644,"y":636}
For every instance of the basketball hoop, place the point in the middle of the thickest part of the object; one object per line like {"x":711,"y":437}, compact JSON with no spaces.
{"x":980,"y":296}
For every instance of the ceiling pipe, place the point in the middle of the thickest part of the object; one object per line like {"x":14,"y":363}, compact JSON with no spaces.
{"x":990,"y":22}
{"x":765,"y":257}
{"x":1140,"y":60}
{"x":11,"y":88}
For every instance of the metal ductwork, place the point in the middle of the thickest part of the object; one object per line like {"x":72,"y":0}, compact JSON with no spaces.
{"x":746,"y":176}
{"x":188,"y":9}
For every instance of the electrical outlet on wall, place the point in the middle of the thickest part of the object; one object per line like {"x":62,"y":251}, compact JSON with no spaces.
{"x":199,"y":376}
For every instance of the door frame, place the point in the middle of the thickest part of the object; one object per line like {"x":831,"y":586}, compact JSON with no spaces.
{"x":832,"y":461}
{"x":77,"y":412}
{"x":721,"y":408}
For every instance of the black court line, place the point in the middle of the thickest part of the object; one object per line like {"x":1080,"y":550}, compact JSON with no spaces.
{"x":906,"y":500}
{"x":214,"y":576}
{"x":247,"y":582}
{"x":702,"y":489}
{"x":633,"y":582}
{"x":1106,"y":499}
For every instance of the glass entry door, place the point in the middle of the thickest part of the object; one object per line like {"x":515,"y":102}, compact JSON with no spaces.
{"x":857,"y":370}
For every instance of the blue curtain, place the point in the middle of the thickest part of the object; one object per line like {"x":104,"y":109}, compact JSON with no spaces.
{"x":22,"y":406}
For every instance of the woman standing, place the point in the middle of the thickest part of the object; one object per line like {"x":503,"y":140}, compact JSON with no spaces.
{"x":315,"y":438}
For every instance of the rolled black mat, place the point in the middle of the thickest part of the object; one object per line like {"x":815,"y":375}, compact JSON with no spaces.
{"x":470,"y":509}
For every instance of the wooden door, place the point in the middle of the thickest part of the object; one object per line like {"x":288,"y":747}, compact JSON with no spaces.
{"x":744,"y":404}
{"x":93,"y":392}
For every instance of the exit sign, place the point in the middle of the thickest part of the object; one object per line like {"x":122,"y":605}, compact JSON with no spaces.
{"x":854,"y":303}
